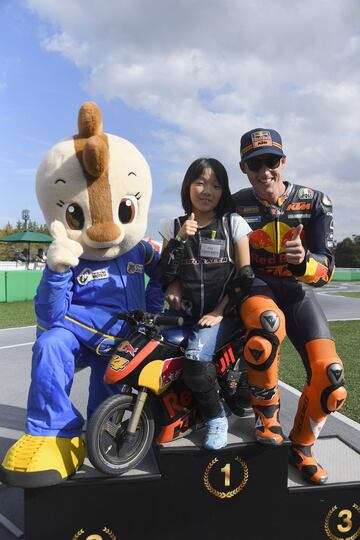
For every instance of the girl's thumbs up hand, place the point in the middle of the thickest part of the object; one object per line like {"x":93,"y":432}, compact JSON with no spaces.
{"x":189,"y":227}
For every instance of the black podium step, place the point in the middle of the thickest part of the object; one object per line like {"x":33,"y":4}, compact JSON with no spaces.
{"x":340,"y":459}
{"x":181,"y":491}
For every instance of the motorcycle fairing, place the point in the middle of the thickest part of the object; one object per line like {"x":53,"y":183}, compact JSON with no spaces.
{"x":180,"y":412}
{"x":158,"y":374}
{"x":180,"y":428}
{"x":134,"y":353}
{"x":120,"y":367}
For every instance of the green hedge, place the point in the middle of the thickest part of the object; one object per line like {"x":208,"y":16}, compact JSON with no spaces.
{"x":2,"y":286}
{"x":19,"y":285}
{"x":346,"y":275}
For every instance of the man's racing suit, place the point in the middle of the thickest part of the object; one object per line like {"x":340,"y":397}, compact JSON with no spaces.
{"x":287,"y":286}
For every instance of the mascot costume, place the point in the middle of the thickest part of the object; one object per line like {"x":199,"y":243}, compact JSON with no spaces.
{"x":94,"y":190}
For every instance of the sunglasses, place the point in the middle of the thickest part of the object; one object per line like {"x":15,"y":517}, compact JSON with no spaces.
{"x":255,"y":164}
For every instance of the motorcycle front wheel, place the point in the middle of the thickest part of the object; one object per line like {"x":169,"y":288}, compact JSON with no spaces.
{"x":108,"y":447}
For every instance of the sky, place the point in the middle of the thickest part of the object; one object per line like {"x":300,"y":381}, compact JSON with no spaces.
{"x":183,"y":79}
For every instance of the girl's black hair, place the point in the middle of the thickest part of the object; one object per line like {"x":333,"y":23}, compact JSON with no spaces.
{"x":194,"y":172}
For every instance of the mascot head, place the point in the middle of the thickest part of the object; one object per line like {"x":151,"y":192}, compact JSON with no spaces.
{"x":98,"y":186}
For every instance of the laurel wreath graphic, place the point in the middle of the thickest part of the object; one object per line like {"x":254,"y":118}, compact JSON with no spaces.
{"x":106,"y":530}
{"x":225,"y":494}
{"x":109,"y":533}
{"x":78,"y":534}
{"x":330,"y":534}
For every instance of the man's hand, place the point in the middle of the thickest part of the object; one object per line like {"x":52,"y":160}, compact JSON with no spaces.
{"x":63,"y":252}
{"x":294,"y":250}
{"x":173,"y":295}
{"x":189,"y":227}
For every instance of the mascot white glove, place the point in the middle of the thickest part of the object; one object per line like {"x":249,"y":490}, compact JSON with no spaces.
{"x":63,"y":253}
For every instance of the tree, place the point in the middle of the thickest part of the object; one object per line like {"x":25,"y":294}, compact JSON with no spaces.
{"x":347,"y":252}
{"x":7,"y":251}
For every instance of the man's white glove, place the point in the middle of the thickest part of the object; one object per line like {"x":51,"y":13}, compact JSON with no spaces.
{"x":63,"y":253}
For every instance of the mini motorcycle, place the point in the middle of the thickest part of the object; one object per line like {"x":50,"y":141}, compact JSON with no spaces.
{"x":152,"y":402}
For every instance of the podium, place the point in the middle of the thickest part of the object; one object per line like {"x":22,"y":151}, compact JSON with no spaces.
{"x":183,"y":492}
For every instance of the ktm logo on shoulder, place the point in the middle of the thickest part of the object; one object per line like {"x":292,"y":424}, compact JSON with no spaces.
{"x":299,"y":206}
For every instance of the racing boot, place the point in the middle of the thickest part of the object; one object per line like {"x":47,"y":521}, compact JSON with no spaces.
{"x":216,"y":436}
{"x":37,"y":461}
{"x":267,"y":426}
{"x":302,"y":457}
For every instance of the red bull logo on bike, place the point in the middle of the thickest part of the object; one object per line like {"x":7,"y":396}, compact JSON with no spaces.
{"x":127,"y":348}
{"x":171,"y":370}
{"x":117,"y":363}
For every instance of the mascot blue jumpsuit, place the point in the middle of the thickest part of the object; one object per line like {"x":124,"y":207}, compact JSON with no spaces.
{"x":79,"y":333}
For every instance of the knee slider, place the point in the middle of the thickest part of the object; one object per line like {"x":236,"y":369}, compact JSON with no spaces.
{"x":333,"y":397}
{"x":199,"y":376}
{"x":270,"y":321}
{"x":261,"y":312}
{"x":261,"y":349}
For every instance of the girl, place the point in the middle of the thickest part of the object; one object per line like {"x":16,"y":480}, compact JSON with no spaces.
{"x":201,"y":250}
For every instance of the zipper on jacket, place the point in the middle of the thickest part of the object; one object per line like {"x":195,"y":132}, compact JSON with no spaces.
{"x":202,"y":286}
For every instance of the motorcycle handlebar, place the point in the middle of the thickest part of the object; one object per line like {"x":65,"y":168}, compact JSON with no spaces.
{"x":168,"y":320}
{"x":138,"y":316}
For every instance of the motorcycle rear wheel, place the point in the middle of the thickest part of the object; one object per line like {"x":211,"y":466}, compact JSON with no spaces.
{"x":106,"y":443}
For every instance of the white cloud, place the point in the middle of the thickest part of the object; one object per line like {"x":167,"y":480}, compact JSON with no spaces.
{"x":210,"y":70}
{"x":159,"y":214}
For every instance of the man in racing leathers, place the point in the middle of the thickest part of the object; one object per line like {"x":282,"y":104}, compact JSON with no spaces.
{"x":290,"y":249}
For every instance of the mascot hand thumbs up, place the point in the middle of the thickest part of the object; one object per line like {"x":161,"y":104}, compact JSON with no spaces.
{"x":94,"y":190}
{"x":63,"y":252}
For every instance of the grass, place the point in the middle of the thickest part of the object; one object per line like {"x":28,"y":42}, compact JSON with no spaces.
{"x":17,"y":314}
{"x":346,"y":335}
{"x":347,"y":338}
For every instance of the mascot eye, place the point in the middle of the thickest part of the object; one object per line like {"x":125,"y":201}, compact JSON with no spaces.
{"x":127,"y":209}
{"x":75,"y":217}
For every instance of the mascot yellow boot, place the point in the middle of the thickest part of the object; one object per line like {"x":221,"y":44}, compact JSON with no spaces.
{"x":94,"y":190}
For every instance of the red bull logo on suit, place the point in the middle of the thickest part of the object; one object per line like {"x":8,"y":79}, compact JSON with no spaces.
{"x":272,"y":237}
